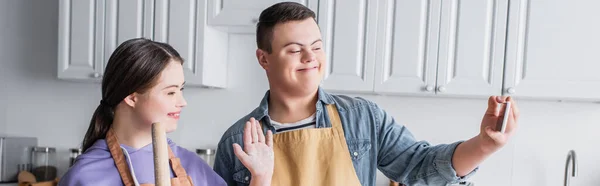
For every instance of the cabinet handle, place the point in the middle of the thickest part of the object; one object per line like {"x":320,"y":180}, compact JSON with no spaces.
{"x":429,"y":88}
{"x":96,"y":75}
{"x":511,"y":90}
{"x":441,"y":89}
{"x":254,"y":20}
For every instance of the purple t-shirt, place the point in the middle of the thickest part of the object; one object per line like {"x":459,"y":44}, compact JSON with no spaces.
{"x":96,"y":167}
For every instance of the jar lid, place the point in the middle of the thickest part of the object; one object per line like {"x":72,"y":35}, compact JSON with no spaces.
{"x":205,"y":151}
{"x":76,"y":150}
{"x":44,"y":149}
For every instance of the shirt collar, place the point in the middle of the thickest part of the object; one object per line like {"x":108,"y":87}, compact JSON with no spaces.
{"x":263,"y":108}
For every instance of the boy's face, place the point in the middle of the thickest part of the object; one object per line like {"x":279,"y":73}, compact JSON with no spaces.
{"x":297,"y":61}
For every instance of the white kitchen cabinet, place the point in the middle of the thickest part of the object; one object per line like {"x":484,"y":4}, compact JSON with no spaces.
{"x":464,"y":48}
{"x":407,"y":42}
{"x":552,"y":50}
{"x":349,"y":44}
{"x":126,"y":20}
{"x":89,"y":31}
{"x":241,"y":16}
{"x":453,"y":48}
{"x":81,"y":39}
{"x":471,"y":48}
{"x":182,"y":24}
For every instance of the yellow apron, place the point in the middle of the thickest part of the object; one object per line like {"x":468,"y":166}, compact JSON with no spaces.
{"x":314,"y":156}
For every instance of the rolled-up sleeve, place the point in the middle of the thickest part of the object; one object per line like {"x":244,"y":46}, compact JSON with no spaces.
{"x":404,"y":159}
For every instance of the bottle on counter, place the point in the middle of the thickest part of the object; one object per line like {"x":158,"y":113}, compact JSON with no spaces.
{"x":44,"y":163}
{"x":74,"y":153}
{"x":208,"y":155}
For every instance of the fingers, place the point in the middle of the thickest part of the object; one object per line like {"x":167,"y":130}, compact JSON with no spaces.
{"x":247,"y":134}
{"x":240,"y":153}
{"x":253,"y":131}
{"x":270,"y":138}
{"x":499,"y":99}
{"x":493,"y":106}
{"x":502,"y":99}
{"x":501,"y":111}
{"x":494,"y":102}
{"x":261,"y":135}
{"x":514,"y":108}
{"x":514,"y":116}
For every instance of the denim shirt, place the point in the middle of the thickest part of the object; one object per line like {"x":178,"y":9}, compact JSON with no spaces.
{"x":375,"y":141}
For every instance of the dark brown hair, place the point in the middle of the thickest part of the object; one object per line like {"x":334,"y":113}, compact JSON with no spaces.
{"x":134,"y":66}
{"x":276,"y":14}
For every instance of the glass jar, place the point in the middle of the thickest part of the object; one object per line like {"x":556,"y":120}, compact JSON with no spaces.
{"x":44,"y":163}
{"x":74,"y":153}
{"x":208,"y":155}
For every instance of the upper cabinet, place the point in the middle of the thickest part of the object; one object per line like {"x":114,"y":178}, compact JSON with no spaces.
{"x":349,"y":45}
{"x":90,"y":30}
{"x":463,"y":48}
{"x":182,"y":24}
{"x":126,"y":20}
{"x":552,"y":50}
{"x":81,"y":39}
{"x":471,"y":47}
{"x":433,"y":47}
{"x":241,"y":16}
{"x":407,"y":43}
{"x":459,"y":48}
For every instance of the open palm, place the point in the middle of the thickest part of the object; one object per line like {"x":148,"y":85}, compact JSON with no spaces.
{"x":258,"y":154}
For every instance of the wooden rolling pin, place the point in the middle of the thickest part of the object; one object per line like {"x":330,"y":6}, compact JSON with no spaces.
{"x":162,"y":176}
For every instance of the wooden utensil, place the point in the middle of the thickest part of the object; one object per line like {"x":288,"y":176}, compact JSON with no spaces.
{"x":26,"y":177}
{"x":162,"y":175}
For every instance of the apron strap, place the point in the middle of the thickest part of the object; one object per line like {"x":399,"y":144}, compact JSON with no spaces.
{"x":119,"y":158}
{"x":334,"y":118}
{"x":181,"y":178}
{"x":123,"y":167}
{"x":176,"y":165}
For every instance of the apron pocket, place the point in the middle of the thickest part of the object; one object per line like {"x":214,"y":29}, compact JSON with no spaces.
{"x":242,"y":176}
{"x":358,"y":148}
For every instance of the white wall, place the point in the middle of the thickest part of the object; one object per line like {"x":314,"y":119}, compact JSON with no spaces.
{"x":37,"y":104}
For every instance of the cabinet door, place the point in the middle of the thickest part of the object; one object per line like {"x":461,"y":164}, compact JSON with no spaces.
{"x":471,"y":52}
{"x":407,"y":47}
{"x":349,"y":42}
{"x":241,"y":16}
{"x":127,"y":20}
{"x":91,"y":30}
{"x":81,"y":39}
{"x":182,"y":24}
{"x":552,"y":50}
{"x":176,"y":25}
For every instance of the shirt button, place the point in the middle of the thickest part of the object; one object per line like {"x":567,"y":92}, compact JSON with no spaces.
{"x":247,"y":178}
{"x":355,"y":153}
